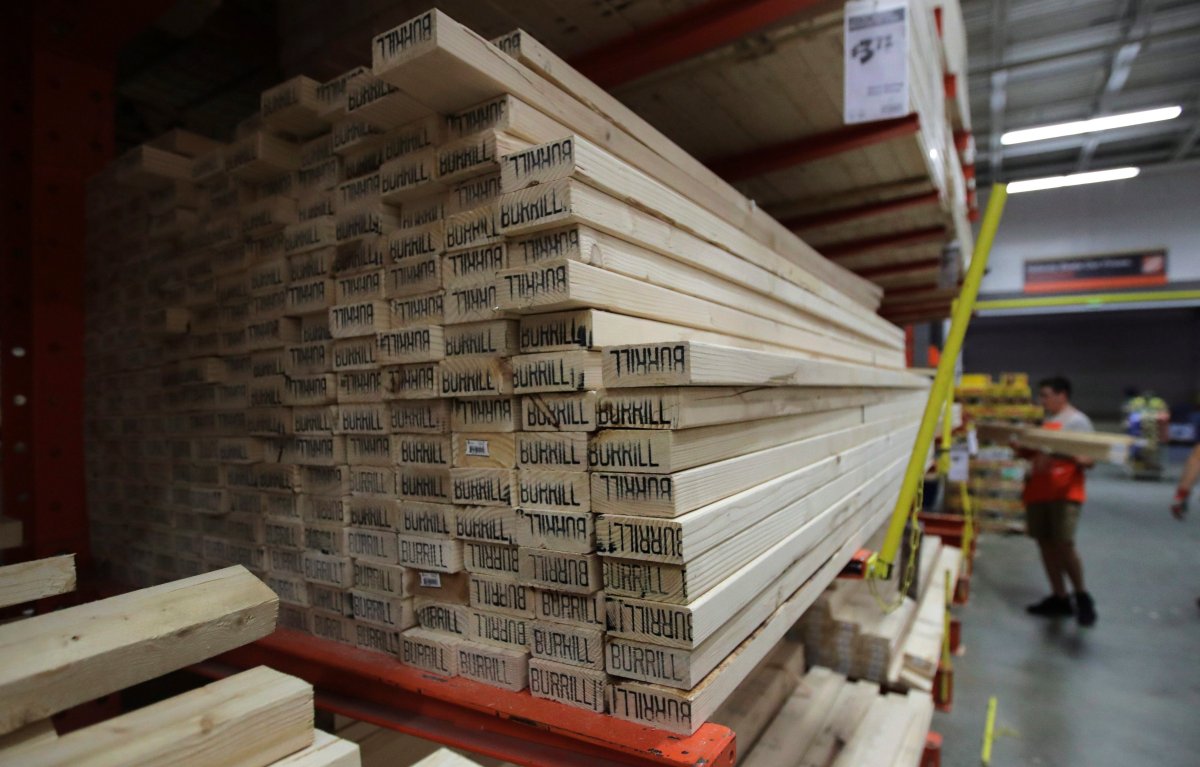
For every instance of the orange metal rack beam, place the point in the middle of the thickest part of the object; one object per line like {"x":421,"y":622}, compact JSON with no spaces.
{"x":458,"y":712}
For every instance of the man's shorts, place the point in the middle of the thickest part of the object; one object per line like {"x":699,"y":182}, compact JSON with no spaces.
{"x":1052,"y":521}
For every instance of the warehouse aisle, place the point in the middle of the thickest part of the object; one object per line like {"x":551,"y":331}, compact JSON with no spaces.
{"x":1125,"y":692}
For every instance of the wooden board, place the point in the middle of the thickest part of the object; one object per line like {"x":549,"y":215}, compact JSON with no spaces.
{"x":671,"y":495}
{"x":48,"y":671}
{"x":253,"y":718}
{"x":692,"y":363}
{"x":684,"y":538}
{"x":496,"y":666}
{"x":791,"y":559}
{"x":683,"y":712}
{"x":645,"y":451}
{"x":326,"y":751}
{"x":39,"y":578}
{"x":573,"y":685}
{"x":563,"y":284}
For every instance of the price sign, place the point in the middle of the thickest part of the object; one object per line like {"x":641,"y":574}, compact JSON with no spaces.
{"x":960,"y":464}
{"x":876,"y":59}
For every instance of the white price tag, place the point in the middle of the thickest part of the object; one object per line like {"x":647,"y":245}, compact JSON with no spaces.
{"x":960,"y":464}
{"x":478,"y":447}
{"x":876,"y":59}
{"x":972,"y":441}
{"x":431,"y":581}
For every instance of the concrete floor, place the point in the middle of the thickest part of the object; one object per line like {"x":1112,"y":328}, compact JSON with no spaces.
{"x":1124,"y":692}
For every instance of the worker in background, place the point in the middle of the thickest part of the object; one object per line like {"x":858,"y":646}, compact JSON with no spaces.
{"x":1054,"y":496}
{"x":1191,"y":474}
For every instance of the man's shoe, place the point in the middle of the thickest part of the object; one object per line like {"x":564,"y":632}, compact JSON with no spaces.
{"x":1085,"y":609}
{"x":1051,"y":607}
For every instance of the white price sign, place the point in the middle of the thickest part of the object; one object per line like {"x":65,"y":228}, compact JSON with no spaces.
{"x":960,"y":464}
{"x":876,"y":83}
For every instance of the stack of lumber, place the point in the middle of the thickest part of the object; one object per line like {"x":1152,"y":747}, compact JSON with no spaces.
{"x":832,"y":722}
{"x":481,"y":372}
{"x":1007,"y":398}
{"x":890,"y":199}
{"x":751,"y":707}
{"x":995,"y":486}
{"x":849,"y":630}
{"x":921,"y":651}
{"x":63,"y":659}
{"x":1096,"y":446}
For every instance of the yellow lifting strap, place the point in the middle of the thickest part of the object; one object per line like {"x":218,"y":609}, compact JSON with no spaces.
{"x":880,"y":567}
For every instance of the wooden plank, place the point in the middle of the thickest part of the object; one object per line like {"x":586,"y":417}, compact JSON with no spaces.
{"x":560,"y":412}
{"x":694,"y":267}
{"x":39,"y":578}
{"x":790,"y":561}
{"x":497,"y":629}
{"x":681,"y":539}
{"x":37,"y":733}
{"x":563,"y":371}
{"x":568,"y":531}
{"x":441,"y":617}
{"x":691,"y":407}
{"x":564,"y":643}
{"x":500,"y":561}
{"x":575,"y":573}
{"x":584,"y":688}
{"x":500,"y":595}
{"x":670,"y":495}
{"x":499,"y":414}
{"x":486,"y":524}
{"x":586,"y":610}
{"x":484,"y":450}
{"x":551,"y":490}
{"x":1097,"y":446}
{"x":692,"y":363}
{"x":430,"y":554}
{"x":647,"y":451}
{"x":253,"y":718}
{"x":576,"y":157}
{"x":564,"y":284}
{"x":431,"y":652}
{"x":326,"y":751}
{"x":496,"y":666}
{"x":683,"y":712}
{"x":49,"y":672}
{"x":594,"y":329}
{"x":561,"y":451}
{"x":433,"y":48}
{"x":685,"y":669}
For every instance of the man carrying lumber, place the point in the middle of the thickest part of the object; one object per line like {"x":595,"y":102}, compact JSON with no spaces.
{"x":1054,"y":496}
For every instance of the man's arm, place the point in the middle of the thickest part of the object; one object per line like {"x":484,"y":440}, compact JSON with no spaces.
{"x":1191,"y":473}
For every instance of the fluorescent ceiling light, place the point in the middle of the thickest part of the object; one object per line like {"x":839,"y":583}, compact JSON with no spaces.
{"x":1075,"y":179}
{"x":1108,"y":122}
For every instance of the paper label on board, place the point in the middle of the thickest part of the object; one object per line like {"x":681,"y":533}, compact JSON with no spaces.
{"x":972,"y":442}
{"x":960,"y":464}
{"x":431,"y":581}
{"x":876,"y":60}
{"x":478,"y":447}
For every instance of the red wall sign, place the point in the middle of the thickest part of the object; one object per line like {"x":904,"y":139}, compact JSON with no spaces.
{"x":1109,"y":272}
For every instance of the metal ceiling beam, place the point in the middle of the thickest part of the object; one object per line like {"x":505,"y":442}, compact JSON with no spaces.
{"x":1187,"y":143}
{"x":998,"y":95}
{"x":1138,"y":15}
{"x":1016,"y":62}
{"x":680,"y":37}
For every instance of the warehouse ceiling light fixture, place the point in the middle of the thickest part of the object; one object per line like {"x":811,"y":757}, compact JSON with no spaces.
{"x":1094,"y":125}
{"x":1075,"y":179}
